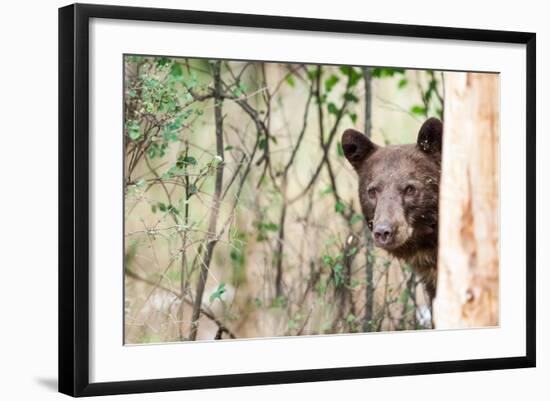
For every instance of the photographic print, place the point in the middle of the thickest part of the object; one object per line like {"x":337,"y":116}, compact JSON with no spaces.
{"x":346,"y":199}
{"x":270,"y":199}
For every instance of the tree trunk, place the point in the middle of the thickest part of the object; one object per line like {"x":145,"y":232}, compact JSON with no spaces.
{"x":212,"y":235}
{"x":468,"y":270}
{"x":369,"y":265}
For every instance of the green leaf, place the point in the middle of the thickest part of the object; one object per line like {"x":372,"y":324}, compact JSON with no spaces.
{"x":190,"y":160}
{"x":172,"y":209}
{"x":340,"y":207}
{"x":156,"y":150}
{"x":218,"y":293}
{"x":262,"y":143}
{"x":386,"y":72}
{"x":270,"y":226}
{"x":402,"y":83}
{"x":353,"y":117}
{"x":235,"y":255}
{"x":428,"y":95}
{"x":353,"y":76}
{"x":134,"y":134}
{"x":193,"y":82}
{"x":332,"y":109}
{"x":228,"y":148}
{"x":176,"y":71}
{"x":321,"y":287}
{"x":133,"y":130}
{"x":350,"y":97}
{"x":338,"y":275}
{"x":178,"y":121}
{"x":154,"y":208}
{"x":184,"y":161}
{"x":152,"y":150}
{"x":330,"y":82}
{"x":312,"y":73}
{"x":345,"y":69}
{"x":290,"y":80}
{"x":339,"y":149}
{"x":168,"y":135}
{"x":162,"y":207}
{"x":327,"y":259}
{"x":356,"y":218}
{"x":162,"y":61}
{"x":404,"y":297}
{"x":420,"y":110}
{"x":240,"y":90}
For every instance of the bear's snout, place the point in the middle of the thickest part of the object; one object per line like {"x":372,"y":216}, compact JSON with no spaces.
{"x":383,"y":234}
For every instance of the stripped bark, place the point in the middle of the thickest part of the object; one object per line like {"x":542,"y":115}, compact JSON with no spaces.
{"x":468,"y":271}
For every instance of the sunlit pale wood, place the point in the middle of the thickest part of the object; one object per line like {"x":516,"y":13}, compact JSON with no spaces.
{"x":468,"y":271}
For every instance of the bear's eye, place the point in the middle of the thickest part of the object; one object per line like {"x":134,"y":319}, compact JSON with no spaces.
{"x":371,"y":192}
{"x":410,"y":190}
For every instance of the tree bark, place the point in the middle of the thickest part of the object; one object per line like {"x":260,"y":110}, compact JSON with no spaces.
{"x":369,"y":265}
{"x":468,"y":270}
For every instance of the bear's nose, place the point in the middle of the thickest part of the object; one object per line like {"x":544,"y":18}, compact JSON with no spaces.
{"x":383,"y":233}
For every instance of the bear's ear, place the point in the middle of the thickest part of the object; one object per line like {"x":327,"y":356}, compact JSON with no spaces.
{"x":357,"y":147}
{"x":430,"y":136}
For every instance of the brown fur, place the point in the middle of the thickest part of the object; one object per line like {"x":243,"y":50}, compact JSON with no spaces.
{"x":399,"y":188}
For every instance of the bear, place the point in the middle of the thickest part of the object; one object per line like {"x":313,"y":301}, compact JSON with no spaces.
{"x":399,"y":195}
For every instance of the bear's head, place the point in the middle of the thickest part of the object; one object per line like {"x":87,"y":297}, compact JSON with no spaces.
{"x":399,"y":188}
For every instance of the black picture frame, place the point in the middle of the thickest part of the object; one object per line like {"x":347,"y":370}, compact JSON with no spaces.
{"x":74,"y":198}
